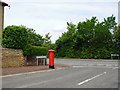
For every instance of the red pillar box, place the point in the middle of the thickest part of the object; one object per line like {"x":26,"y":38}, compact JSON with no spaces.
{"x":51,"y":58}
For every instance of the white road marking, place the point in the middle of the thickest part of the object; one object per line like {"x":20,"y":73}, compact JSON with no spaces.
{"x":115,"y":65}
{"x":115,"y":68}
{"x":93,"y":66}
{"x":24,"y":73}
{"x":91,"y":79}
{"x":100,"y":64}
{"x":29,"y":73}
{"x":79,"y":66}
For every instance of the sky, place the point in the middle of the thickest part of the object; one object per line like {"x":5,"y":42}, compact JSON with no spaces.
{"x":51,"y":16}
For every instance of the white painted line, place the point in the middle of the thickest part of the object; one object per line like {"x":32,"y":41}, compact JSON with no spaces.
{"x":115,"y":68}
{"x":25,"y":73}
{"x":100,"y":64}
{"x":79,"y":66}
{"x":92,"y":66}
{"x":91,"y":79}
{"x":116,"y":65}
{"x":30,"y":73}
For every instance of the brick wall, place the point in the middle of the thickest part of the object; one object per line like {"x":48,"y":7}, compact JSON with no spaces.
{"x":12,"y":58}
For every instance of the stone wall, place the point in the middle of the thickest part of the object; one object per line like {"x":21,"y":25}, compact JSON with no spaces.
{"x":12,"y":58}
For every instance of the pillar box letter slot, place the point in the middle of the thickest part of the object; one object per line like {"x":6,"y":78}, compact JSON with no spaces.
{"x":51,"y":58}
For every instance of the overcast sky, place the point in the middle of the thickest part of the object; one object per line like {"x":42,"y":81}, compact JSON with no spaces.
{"x":51,"y":15}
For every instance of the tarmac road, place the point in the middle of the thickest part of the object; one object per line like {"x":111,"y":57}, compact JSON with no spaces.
{"x":87,"y":62}
{"x":81,"y":75}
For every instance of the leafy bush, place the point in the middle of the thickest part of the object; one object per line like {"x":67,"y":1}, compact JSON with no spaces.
{"x":15,"y":37}
{"x":34,"y":50}
{"x":27,"y":51}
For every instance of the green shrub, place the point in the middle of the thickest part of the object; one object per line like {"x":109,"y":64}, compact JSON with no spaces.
{"x":15,"y":37}
{"x":27,"y":50}
{"x":34,"y":50}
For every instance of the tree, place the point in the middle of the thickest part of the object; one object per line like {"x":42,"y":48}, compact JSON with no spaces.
{"x":34,"y":39}
{"x":88,"y":39}
{"x":102,"y":41}
{"x":15,"y":37}
{"x":47,"y":40}
{"x":85,"y":32}
{"x":116,"y":39}
{"x":65,"y":44}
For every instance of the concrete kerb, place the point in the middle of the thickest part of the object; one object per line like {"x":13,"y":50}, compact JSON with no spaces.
{"x":33,"y":72}
{"x":106,"y":60}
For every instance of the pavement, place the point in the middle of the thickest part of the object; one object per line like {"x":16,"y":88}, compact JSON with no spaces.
{"x":59,"y":64}
{"x":28,"y":69}
{"x":69,"y":74}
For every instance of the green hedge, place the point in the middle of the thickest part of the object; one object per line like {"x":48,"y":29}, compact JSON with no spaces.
{"x":34,"y":50}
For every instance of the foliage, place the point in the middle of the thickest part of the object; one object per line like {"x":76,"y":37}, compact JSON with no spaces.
{"x":27,"y":51}
{"x":20,"y":37}
{"x":47,"y":40}
{"x":34,"y":39}
{"x":116,"y":39}
{"x":65,"y":44}
{"x":15,"y":37}
{"x":89,"y":39}
{"x":34,"y":50}
{"x":37,"y":50}
{"x":52,"y":46}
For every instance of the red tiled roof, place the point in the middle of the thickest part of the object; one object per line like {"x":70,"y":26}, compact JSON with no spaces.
{"x":3,"y":3}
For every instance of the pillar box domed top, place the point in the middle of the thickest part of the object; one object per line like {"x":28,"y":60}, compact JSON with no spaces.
{"x":51,"y":50}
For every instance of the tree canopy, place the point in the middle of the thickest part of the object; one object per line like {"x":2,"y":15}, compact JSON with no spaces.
{"x":20,"y":37}
{"x":15,"y":37}
{"x":89,"y":39}
{"x":34,"y":38}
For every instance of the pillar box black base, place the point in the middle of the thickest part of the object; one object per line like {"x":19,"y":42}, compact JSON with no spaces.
{"x":52,"y":67}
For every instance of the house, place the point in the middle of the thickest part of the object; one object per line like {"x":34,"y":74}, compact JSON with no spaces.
{"x":2,"y":5}
{"x":119,"y":13}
